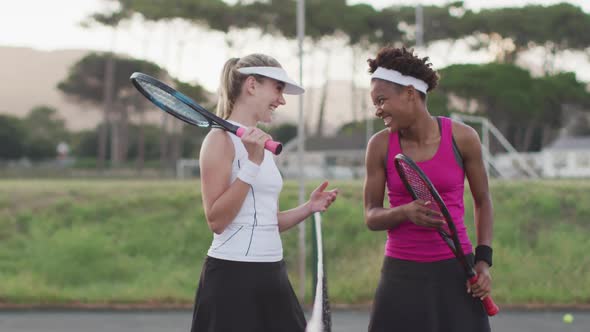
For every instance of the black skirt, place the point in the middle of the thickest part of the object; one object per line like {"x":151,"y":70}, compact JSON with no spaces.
{"x":425,"y":297}
{"x":246,"y":297}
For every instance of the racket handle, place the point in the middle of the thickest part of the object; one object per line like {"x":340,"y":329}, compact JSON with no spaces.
{"x":272,"y":146}
{"x":489,"y":305}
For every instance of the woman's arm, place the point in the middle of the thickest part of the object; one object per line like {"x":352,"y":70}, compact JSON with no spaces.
{"x":222,"y":200}
{"x":469,"y":145}
{"x":378,"y":218}
{"x":319,"y":201}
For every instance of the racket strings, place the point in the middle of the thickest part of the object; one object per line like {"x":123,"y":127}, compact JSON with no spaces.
{"x":422,"y":191}
{"x":171,"y":102}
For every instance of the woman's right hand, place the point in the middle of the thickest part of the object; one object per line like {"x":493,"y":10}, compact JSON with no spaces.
{"x":421,"y":214}
{"x":254,"y":140}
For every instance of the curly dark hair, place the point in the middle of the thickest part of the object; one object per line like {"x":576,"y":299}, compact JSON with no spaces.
{"x":406,"y":62}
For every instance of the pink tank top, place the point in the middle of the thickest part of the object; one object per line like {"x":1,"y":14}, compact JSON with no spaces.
{"x":409,"y":241}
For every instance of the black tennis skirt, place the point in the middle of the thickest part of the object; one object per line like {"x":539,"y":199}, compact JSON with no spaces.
{"x":425,"y":297}
{"x":246,"y":297}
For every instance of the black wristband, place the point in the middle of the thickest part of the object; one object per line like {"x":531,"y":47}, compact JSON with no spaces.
{"x":483,"y":253}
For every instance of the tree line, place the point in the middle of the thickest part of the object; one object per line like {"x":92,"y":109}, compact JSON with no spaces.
{"x":558,"y":27}
{"x":528,"y":110}
{"x":129,"y":138}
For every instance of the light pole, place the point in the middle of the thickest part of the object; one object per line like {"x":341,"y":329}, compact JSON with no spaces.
{"x":419,"y":26}
{"x":301,"y":147}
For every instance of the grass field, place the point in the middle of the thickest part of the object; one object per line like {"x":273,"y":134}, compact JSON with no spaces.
{"x":139,"y":241}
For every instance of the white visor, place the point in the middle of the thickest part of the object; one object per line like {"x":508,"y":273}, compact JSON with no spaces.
{"x":399,"y":78}
{"x":277,"y":73}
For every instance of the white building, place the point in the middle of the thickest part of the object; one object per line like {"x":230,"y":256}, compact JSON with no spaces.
{"x":567,"y":157}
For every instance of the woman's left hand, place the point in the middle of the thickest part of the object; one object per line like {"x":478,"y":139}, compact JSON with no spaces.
{"x":320,"y":200}
{"x":483,"y":287}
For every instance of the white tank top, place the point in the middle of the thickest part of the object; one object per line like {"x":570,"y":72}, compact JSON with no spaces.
{"x":253,"y":235}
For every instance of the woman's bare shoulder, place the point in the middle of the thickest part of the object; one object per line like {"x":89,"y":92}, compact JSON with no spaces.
{"x":217,"y":144}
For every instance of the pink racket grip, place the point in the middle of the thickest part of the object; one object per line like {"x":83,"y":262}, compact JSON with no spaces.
{"x":488,"y":303}
{"x":270,"y":145}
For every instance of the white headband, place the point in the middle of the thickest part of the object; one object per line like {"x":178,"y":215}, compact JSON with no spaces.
{"x":277,"y":73}
{"x":399,"y":78}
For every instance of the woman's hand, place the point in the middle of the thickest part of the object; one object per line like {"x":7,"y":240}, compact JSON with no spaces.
{"x":254,"y":140}
{"x":421,"y":214}
{"x":483,"y":287}
{"x":320,"y":200}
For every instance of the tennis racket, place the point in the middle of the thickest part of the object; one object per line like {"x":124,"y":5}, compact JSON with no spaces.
{"x":321,"y":315}
{"x":420,"y":187}
{"x":187,"y":110}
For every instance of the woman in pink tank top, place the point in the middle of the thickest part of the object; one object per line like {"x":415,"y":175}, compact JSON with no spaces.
{"x":422,"y":286}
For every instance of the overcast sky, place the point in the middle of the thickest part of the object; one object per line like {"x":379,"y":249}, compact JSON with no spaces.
{"x":196,"y":54}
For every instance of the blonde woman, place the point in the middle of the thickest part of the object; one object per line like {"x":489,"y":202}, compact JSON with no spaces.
{"x":244,"y":284}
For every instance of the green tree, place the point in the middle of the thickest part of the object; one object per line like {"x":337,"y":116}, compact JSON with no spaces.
{"x":12,"y":136}
{"x":86,"y":83}
{"x":284,"y":132}
{"x":111,"y":20}
{"x":85,"y":143}
{"x":45,"y":130}
{"x":521,"y":106}
{"x":360,"y":127}
{"x":559,"y":25}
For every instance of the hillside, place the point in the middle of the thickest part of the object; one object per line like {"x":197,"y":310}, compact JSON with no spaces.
{"x":35,"y":74}
{"x":33,"y":78}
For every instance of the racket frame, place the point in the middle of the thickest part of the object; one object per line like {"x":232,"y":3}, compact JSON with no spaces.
{"x":452,"y":240}
{"x":213,"y":121}
{"x":211,"y":118}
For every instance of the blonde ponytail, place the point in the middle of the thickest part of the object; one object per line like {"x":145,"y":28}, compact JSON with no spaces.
{"x":230,"y":83}
{"x":227,"y":91}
